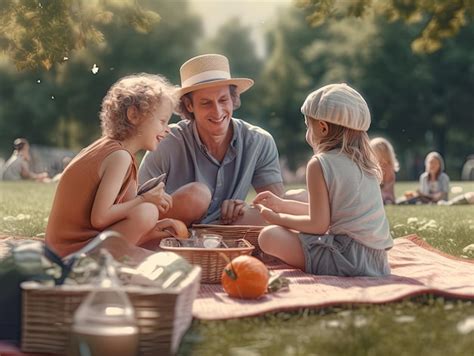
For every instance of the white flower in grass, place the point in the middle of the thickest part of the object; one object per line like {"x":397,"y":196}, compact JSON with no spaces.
{"x":19,"y":217}
{"x":456,"y":189}
{"x":429,"y":225}
{"x":412,"y":221}
{"x":468,"y":249}
{"x":23,"y":217}
{"x":404,"y":319}
{"x":334,"y":324}
{"x":360,"y":321}
{"x":466,"y":326}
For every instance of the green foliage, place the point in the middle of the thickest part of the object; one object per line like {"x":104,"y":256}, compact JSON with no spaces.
{"x":40,"y":34}
{"x":233,"y":40}
{"x":60,"y":107}
{"x":440,"y":19}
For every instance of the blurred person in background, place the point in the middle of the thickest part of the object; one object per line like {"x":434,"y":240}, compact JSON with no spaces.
{"x":389,"y":165}
{"x":18,"y":165}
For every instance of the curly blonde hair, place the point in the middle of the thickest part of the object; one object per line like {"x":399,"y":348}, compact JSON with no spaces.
{"x":144,"y":91}
{"x":354,"y":143}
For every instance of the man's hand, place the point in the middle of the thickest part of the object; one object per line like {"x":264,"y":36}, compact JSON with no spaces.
{"x":231,"y":210}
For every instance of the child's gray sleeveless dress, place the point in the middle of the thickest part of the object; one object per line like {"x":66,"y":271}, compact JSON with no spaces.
{"x":358,"y":235}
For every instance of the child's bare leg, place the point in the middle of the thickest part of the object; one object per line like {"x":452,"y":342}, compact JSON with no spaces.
{"x":282,"y":243}
{"x":138,"y":223}
{"x":190,"y":203}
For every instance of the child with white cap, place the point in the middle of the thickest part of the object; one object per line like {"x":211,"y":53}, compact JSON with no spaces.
{"x":343,"y":229}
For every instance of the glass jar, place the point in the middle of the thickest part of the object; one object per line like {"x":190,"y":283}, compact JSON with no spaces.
{"x":104,"y":323}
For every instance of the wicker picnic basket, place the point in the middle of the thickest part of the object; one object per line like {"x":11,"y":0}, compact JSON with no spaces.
{"x":247,"y":232}
{"x":209,"y":259}
{"x":163,"y":315}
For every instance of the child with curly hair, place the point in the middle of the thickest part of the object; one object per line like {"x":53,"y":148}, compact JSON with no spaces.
{"x":98,"y":189}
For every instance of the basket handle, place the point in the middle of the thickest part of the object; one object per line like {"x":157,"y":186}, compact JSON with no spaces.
{"x":65,"y":266}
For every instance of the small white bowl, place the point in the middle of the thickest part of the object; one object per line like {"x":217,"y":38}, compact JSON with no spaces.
{"x":211,"y":240}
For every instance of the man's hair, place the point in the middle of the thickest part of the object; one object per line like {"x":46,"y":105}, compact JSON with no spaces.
{"x":183,"y":111}
{"x":143,"y":91}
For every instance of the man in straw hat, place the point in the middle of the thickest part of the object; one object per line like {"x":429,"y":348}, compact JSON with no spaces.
{"x":211,"y":159}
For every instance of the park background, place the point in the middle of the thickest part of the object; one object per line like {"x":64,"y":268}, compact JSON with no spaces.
{"x":412,"y":59}
{"x":60,"y":57}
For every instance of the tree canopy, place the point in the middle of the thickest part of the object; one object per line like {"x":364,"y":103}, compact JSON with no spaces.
{"x":42,"y":33}
{"x":441,"y":19}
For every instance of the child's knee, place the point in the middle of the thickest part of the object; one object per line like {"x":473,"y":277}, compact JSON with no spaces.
{"x":265,"y":237}
{"x":145,"y":215}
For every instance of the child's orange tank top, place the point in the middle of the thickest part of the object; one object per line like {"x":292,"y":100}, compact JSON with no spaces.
{"x":69,"y":224}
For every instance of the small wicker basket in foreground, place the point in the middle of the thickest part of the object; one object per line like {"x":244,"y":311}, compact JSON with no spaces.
{"x":209,"y":259}
{"x":163,"y":316}
{"x":247,"y":232}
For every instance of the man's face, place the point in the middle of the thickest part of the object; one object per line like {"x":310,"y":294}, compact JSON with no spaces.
{"x":212,"y":109}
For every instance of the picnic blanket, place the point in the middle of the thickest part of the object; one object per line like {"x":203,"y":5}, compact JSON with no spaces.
{"x":417,"y":268}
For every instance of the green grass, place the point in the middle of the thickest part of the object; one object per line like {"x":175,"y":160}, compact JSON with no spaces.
{"x":425,"y":326}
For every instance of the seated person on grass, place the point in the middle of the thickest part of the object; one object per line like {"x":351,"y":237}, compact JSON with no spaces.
{"x":343,"y":229}
{"x":98,"y":189}
{"x":389,"y":165}
{"x":18,"y":165}
{"x":434,"y":183}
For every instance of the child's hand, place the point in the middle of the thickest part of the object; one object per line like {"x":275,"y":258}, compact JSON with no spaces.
{"x":267,"y":214}
{"x":268,"y":200}
{"x":157,"y":196}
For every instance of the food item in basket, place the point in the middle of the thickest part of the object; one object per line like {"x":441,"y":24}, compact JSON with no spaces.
{"x":162,"y":269}
{"x":245,"y":277}
{"x":181,"y":229}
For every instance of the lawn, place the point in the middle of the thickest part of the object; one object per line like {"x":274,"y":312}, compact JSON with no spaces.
{"x":425,"y":326}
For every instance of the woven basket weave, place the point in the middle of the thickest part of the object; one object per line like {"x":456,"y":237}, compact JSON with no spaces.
{"x":209,"y":259}
{"x":247,"y":232}
{"x":163,"y":316}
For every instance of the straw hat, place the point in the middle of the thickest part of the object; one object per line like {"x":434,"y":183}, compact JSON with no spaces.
{"x":209,"y":70}
{"x":339,"y":104}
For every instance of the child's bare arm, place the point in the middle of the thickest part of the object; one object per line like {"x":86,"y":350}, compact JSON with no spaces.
{"x":104,"y":210}
{"x":279,"y":205}
{"x":316,"y":221}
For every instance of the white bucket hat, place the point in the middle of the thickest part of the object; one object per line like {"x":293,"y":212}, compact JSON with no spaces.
{"x":209,"y":70}
{"x":339,"y":104}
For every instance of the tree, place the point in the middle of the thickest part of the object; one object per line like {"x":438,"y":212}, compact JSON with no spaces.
{"x":60,"y":107}
{"x":42,"y":33}
{"x":441,"y":19}
{"x":233,"y":40}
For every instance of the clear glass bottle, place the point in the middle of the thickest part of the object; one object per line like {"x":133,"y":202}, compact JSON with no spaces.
{"x":104,"y":323}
